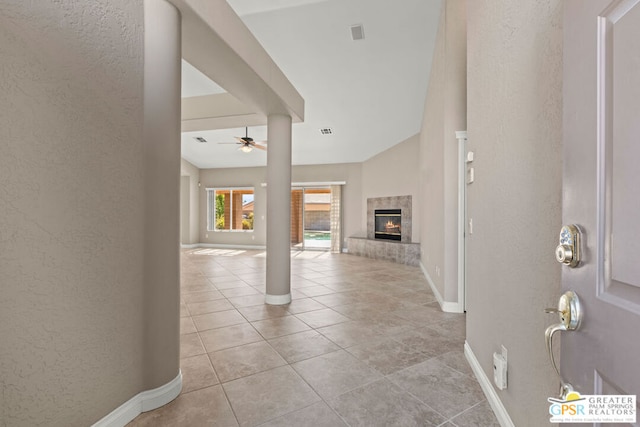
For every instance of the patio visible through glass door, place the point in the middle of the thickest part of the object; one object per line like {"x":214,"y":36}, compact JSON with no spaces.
{"x":311,"y":218}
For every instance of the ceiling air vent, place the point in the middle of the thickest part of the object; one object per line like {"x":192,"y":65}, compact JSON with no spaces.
{"x":357,"y":32}
{"x":200,"y":139}
{"x":326,"y":131}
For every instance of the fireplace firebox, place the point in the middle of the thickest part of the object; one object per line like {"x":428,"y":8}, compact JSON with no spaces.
{"x":388,"y":224}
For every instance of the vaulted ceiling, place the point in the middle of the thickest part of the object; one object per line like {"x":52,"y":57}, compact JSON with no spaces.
{"x":369,"y":92}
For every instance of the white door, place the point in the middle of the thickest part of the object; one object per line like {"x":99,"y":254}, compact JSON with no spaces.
{"x":601,"y":193}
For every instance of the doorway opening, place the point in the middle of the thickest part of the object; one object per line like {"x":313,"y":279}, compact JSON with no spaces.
{"x":311,"y":218}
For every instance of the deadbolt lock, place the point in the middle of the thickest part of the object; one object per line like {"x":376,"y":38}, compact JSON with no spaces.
{"x":568,"y":250}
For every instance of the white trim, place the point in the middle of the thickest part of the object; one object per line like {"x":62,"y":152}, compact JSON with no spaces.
{"x":189,"y":245}
{"x":142,"y":402}
{"x":221,"y":246}
{"x":460,"y":134}
{"x":312,"y":184}
{"x":230,"y":188}
{"x":277,"y":299}
{"x":449,"y":307}
{"x":462,"y":215}
{"x":492,"y":397}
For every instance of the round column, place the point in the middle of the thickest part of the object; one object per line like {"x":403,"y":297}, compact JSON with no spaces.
{"x":278,"y":210}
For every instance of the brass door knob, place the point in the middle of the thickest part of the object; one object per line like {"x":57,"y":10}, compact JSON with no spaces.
{"x":570,"y":313}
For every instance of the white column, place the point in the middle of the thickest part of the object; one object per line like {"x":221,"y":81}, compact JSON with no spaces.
{"x":278,"y":210}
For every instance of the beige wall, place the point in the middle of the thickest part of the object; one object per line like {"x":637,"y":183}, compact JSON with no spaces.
{"x":255,"y":176}
{"x":444,"y":114}
{"x":161,"y":133}
{"x":189,"y":203}
{"x":515,"y":130}
{"x":394,"y":173}
{"x":73,"y":210}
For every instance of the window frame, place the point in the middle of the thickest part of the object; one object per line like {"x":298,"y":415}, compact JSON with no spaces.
{"x":211,"y":209}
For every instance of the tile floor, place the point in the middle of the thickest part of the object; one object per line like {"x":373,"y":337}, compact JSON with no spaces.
{"x":363,"y":343}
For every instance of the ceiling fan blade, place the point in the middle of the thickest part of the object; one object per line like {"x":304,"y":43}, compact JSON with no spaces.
{"x":259,"y":147}
{"x":240,"y":140}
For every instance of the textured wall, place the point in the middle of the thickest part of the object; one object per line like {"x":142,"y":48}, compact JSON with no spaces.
{"x":393,"y":173}
{"x":71,"y":210}
{"x":254,"y":177}
{"x":444,"y":114}
{"x":515,"y":130}
{"x":192,"y":222}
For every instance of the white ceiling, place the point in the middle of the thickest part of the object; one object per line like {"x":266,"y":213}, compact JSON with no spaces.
{"x":370,"y":92}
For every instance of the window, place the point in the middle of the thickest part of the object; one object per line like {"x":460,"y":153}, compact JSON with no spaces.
{"x":230,"y":209}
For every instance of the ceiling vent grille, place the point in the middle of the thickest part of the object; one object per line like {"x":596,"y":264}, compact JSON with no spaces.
{"x":357,"y":32}
{"x":326,"y":131}
{"x":200,"y":139}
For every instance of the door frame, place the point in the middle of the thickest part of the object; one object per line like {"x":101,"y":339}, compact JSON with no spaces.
{"x":302,"y":186}
{"x":461,"y":136}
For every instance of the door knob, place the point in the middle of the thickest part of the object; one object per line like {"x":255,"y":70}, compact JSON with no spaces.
{"x":570,"y":313}
{"x":568,"y":249}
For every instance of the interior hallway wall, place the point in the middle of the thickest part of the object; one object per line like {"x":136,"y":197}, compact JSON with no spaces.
{"x":515,"y":130}
{"x":189,"y":203}
{"x":445,"y":113}
{"x":74,"y":332}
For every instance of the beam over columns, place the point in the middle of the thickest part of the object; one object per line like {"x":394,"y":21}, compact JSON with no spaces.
{"x":279,"y":210}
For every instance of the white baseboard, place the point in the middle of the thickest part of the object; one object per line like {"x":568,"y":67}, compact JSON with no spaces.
{"x":487,"y":387}
{"x":446,"y":306}
{"x":189,"y":245}
{"x":277,"y":299}
{"x":142,"y":402}
{"x":221,"y":246}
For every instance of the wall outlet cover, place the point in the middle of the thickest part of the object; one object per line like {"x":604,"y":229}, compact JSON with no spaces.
{"x":499,"y":371}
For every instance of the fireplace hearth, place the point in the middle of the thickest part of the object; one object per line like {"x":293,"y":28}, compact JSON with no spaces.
{"x":388,"y":224}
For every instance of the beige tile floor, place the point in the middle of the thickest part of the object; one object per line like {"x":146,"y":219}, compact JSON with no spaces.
{"x":363,"y":343}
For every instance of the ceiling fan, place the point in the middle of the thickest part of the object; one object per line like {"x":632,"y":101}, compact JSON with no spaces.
{"x":247,"y":144}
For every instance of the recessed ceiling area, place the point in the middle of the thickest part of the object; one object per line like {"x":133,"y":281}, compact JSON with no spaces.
{"x":370,"y":92}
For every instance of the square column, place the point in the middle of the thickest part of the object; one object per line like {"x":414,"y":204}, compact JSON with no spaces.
{"x":278,"y":210}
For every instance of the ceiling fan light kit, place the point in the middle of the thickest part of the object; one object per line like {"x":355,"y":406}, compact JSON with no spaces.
{"x":247,"y":144}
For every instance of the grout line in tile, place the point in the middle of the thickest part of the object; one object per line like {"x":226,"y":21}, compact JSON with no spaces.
{"x":462,"y":412}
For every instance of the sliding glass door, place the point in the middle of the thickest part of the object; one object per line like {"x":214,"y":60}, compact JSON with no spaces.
{"x":311,"y":218}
